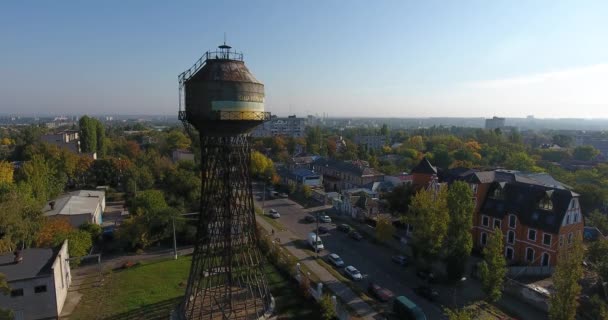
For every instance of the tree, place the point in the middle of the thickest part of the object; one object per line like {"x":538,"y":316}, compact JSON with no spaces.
{"x":598,"y":256}
{"x":100,"y":134}
{"x":493,"y":268}
{"x":384,"y":229}
{"x":20,"y":219}
{"x":384,"y":130}
{"x":6,"y":172}
{"x":585,"y":153}
{"x":79,"y":242}
{"x":458,"y":314}
{"x":328,"y":311}
{"x":261,"y":166}
{"x":46,"y":182}
{"x":598,"y":220}
{"x":430,"y":218}
{"x":50,"y":229}
{"x":94,"y":230}
{"x":176,"y":139}
{"x":569,"y":270}
{"x":521,"y":161}
{"x":88,"y":134}
{"x":599,"y":308}
{"x":459,"y":242}
{"x":5,"y":289}
{"x":562,"y":140}
{"x":148,"y":201}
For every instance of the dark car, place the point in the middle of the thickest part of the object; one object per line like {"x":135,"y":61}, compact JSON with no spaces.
{"x":355,"y":235}
{"x":427,"y":293}
{"x":309,"y":219}
{"x":426,"y":275}
{"x":344,"y":228}
{"x":400,"y":260}
{"x":323,"y":229}
{"x":380,"y":293}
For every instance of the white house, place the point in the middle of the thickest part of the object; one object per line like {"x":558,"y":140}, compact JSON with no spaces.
{"x":79,"y":207}
{"x":39,"y":280}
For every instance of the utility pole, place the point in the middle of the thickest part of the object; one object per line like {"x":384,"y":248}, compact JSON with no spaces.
{"x":263,"y":197}
{"x":317,"y":238}
{"x":174,"y":241}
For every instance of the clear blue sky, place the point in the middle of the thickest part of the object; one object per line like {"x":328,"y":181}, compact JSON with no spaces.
{"x":346,"y":58}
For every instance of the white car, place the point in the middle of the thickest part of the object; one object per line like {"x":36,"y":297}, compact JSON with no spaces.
{"x":353,"y":273}
{"x":335,"y":260}
{"x":325,"y":218}
{"x":274,"y":213}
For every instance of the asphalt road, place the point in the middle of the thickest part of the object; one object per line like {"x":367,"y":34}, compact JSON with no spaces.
{"x":373,"y":261}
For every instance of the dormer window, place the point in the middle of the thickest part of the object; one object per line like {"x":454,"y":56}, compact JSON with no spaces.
{"x":546,"y":204}
{"x":499,"y":192}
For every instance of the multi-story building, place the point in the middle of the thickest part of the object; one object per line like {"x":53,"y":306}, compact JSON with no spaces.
{"x":39,"y":279}
{"x":371,"y":142}
{"x":536,"y":213}
{"x":340,"y":175}
{"x":495,"y":123}
{"x":68,"y":139}
{"x":288,"y":127}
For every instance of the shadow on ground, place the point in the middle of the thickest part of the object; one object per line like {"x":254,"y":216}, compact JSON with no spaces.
{"x":159,"y":310}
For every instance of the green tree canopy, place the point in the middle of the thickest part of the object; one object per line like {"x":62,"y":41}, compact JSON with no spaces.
{"x":459,"y":242}
{"x":568,"y":272}
{"x":585,"y":153}
{"x":430,"y":217}
{"x":493,"y":268}
{"x":148,"y":201}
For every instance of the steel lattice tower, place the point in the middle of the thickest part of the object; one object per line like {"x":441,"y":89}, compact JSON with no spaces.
{"x":224,"y":102}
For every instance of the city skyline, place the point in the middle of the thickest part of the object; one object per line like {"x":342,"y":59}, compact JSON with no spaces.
{"x":392,"y":59}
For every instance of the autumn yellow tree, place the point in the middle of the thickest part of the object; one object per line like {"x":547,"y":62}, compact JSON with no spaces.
{"x":384,"y":229}
{"x":50,"y":229}
{"x":6,"y":172}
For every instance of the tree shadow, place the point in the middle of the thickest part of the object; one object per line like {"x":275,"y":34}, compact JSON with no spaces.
{"x":159,"y":310}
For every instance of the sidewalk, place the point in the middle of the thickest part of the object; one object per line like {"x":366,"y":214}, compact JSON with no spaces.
{"x":341,"y":290}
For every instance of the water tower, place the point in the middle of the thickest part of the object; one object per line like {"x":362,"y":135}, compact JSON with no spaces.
{"x":224,"y":102}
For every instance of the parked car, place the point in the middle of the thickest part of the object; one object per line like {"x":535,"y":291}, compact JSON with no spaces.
{"x":353,"y":273}
{"x":335,"y":260}
{"x":309,"y":219}
{"x":426,"y":275}
{"x":283,"y":195}
{"x":355,"y":235}
{"x":380,"y":293}
{"x":427,"y":293}
{"x":404,"y":308}
{"x":274,"y":213}
{"x":325,"y":218}
{"x":344,"y":228}
{"x":323,"y":229}
{"x":401,"y":260}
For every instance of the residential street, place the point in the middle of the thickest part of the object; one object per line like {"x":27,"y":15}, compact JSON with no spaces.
{"x":374,"y":262}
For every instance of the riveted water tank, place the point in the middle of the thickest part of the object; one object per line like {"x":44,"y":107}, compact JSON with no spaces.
{"x":223,"y":97}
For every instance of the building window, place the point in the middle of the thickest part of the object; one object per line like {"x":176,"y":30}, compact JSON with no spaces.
{"x":511,"y":237}
{"x":17,"y":293}
{"x":568,"y":218}
{"x":532,"y":234}
{"x":485,"y":221}
{"x":484,"y":238}
{"x":545,"y":260}
{"x":529,"y":254}
{"x":509,"y":253}
{"x":497,"y":223}
{"x":561,"y":240}
{"x":546,"y":239}
{"x":545,"y":204}
{"x":576,"y":218}
{"x":570,"y":238}
{"x":512,"y":221}
{"x":39,"y":289}
{"x":498,"y":193}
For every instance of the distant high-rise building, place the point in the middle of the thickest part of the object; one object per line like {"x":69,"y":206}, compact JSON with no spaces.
{"x":495,"y":123}
{"x":289,"y":127}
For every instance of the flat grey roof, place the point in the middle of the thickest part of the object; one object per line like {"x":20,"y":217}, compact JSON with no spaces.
{"x":75,"y":203}
{"x":36,"y":262}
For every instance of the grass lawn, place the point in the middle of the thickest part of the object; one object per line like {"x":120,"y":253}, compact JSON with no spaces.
{"x":152,"y":289}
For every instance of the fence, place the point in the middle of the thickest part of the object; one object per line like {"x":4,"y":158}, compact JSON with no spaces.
{"x":515,"y":272}
{"x":317,"y":293}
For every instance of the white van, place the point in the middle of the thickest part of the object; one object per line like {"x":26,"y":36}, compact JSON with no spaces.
{"x":315,"y":242}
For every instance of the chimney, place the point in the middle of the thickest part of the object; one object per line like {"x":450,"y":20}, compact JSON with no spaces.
{"x":18,"y":257}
